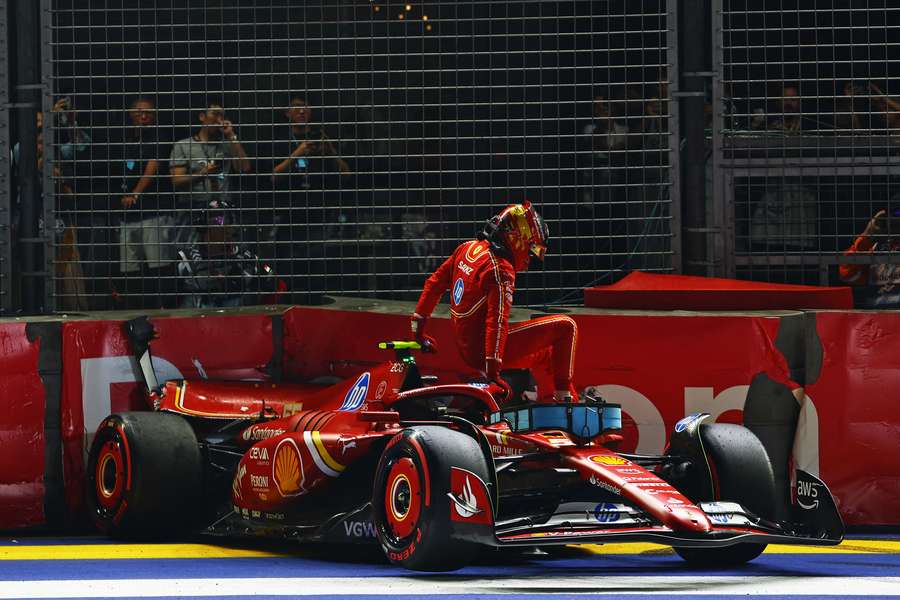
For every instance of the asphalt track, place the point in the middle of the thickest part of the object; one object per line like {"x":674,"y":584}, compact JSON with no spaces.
{"x":866,"y":567}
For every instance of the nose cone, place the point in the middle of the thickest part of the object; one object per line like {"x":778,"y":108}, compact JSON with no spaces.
{"x":688,"y":518}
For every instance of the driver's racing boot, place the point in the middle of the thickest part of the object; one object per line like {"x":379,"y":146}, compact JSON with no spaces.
{"x":567,"y":395}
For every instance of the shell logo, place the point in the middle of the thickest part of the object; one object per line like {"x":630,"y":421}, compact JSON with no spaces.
{"x":287,"y":469}
{"x":609,"y":459}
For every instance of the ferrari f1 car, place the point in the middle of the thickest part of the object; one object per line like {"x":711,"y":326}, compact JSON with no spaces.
{"x":432,"y":473}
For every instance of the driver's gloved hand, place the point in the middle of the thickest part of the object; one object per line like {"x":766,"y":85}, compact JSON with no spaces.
{"x":492,"y":372}
{"x":417,"y":328}
{"x":428,"y":344}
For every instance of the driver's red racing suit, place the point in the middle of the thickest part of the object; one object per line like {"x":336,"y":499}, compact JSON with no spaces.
{"x":481,"y":288}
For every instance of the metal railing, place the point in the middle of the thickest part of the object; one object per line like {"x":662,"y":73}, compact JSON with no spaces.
{"x":807,"y":127}
{"x":370,"y":139}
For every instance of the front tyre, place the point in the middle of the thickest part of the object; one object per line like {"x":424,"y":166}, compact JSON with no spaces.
{"x":411,"y":498}
{"x":741,"y":472}
{"x":144,"y":476}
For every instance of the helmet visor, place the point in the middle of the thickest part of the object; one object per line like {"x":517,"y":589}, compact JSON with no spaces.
{"x":539,"y":236}
{"x":538,"y":250}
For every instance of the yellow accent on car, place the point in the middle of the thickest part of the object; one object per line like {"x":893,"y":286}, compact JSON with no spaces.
{"x":323,"y":452}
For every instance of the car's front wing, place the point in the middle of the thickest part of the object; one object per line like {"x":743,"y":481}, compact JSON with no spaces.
{"x":655,"y":534}
{"x":579,"y":522}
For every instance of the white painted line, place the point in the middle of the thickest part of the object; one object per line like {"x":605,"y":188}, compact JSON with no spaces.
{"x":460,"y":586}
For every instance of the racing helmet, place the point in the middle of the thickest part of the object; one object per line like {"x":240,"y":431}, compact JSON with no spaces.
{"x":519,"y":232}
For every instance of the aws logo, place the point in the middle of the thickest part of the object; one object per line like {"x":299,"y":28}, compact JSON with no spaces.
{"x":356,"y":395}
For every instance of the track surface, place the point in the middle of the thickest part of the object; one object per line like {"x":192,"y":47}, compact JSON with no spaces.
{"x":92,"y":568}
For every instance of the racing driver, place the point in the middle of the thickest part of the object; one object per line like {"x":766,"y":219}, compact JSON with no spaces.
{"x":481,"y":277}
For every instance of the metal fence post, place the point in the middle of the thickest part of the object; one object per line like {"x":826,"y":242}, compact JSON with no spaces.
{"x":721,"y":204}
{"x":49,"y":183}
{"x":6,"y":191}
{"x":27,"y":85}
{"x":693,"y":23}
{"x":674,"y":73}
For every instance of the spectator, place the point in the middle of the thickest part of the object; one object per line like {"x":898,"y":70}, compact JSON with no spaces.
{"x":785,"y":218}
{"x":607,"y":139}
{"x":788,"y":117}
{"x":852,"y":110}
{"x":146,"y":230}
{"x":312,"y":152}
{"x":200,"y":166}
{"x":880,"y":282}
{"x":889,"y":107}
{"x":307,"y":176}
{"x":609,"y":129}
{"x":656,"y":112}
{"x":73,"y":142}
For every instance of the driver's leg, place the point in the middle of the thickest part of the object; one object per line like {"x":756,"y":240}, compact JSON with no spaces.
{"x":559,"y":333}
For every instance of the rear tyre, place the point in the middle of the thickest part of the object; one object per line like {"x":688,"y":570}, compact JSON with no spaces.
{"x":144,"y":476}
{"x":414,"y":467}
{"x":741,"y":472}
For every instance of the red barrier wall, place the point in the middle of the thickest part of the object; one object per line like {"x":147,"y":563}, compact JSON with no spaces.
{"x":100,"y":376}
{"x":22,"y":405}
{"x":857,"y":397}
{"x":663,"y":367}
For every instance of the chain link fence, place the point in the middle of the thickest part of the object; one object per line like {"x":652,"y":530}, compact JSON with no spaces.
{"x":808,"y":121}
{"x":219,"y":153}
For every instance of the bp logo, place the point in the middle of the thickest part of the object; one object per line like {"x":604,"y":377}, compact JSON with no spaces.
{"x":356,"y":395}
{"x":458,"y":289}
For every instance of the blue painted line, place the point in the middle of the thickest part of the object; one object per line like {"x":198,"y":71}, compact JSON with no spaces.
{"x":848,"y":565}
{"x":873,"y":536}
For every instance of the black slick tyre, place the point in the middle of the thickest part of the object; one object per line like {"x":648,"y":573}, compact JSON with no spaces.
{"x":411,"y":501}
{"x":144,"y":476}
{"x":741,"y":472}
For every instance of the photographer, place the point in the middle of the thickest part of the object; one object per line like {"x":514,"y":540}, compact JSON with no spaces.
{"x":307,"y":142}
{"x":200,"y":167}
{"x":308,"y":175}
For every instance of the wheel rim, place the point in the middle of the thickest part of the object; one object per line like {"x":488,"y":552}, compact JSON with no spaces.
{"x":402,"y":498}
{"x":109,"y":476}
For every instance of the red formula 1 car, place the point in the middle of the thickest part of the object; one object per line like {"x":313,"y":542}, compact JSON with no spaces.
{"x":432,"y":473}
